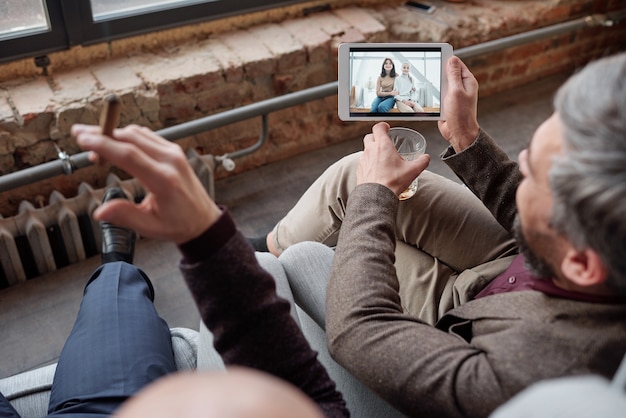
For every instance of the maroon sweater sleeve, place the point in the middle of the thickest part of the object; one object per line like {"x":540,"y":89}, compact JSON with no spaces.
{"x":251,"y":324}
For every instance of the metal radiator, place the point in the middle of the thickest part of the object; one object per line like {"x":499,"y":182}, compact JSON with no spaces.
{"x":37,"y":241}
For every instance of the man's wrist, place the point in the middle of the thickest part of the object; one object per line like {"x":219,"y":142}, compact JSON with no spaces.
{"x":451,"y":152}
{"x":463,"y":141}
{"x":211,"y":240}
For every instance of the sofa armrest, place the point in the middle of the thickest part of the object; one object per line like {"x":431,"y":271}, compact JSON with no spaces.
{"x":29,"y":392}
{"x":185,"y":346}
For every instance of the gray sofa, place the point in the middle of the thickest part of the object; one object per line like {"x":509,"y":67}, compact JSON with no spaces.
{"x":29,"y":392}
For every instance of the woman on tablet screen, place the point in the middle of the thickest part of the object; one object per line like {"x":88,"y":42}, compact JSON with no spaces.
{"x":385,"y":93}
{"x":405,"y":87}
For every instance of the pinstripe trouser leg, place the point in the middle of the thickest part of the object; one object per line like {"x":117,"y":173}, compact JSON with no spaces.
{"x":118,"y":344}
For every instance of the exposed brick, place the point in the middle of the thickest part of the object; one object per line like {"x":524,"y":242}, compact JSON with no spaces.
{"x":149,"y":105}
{"x":186,"y":64}
{"x":35,"y":154}
{"x":319,"y":75}
{"x":258,"y":60}
{"x":116,"y":76}
{"x":557,"y":13}
{"x":230,"y":62}
{"x":362,"y":20}
{"x":582,"y":8}
{"x":262,"y":88}
{"x":220,"y":98}
{"x":409,"y":26}
{"x":306,"y":32}
{"x":7,"y":135}
{"x":317,"y":107}
{"x":285,"y":47}
{"x":32,"y":97}
{"x":482,"y":76}
{"x":219,"y":141}
{"x":546,"y":60}
{"x":529,"y":50}
{"x":74,"y":85}
{"x":329,"y":23}
{"x":299,"y":79}
{"x":35,"y":127}
{"x":298,"y":122}
{"x":75,"y":113}
{"x":7,"y":162}
{"x":603,"y":5}
{"x":314,"y":39}
{"x":180,"y":111}
{"x":130,"y":112}
{"x":520,"y":68}
{"x":6,"y":111}
{"x":68,"y":144}
{"x":7,"y":145}
{"x":498,"y":73}
{"x":350,"y":35}
{"x":284,"y":84}
{"x":140,"y":107}
{"x":608,"y":45}
{"x":232,"y":69}
{"x":169,"y":90}
{"x":202,"y":82}
{"x":561,"y":40}
{"x":319,"y":53}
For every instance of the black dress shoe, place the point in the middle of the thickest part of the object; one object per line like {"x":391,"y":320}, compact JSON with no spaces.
{"x":259,"y":244}
{"x":118,"y":244}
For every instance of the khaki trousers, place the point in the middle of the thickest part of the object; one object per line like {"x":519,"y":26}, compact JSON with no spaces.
{"x":408,"y":109}
{"x":448,"y":246}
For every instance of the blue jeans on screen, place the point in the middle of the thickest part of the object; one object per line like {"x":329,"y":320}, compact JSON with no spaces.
{"x":382,"y":104}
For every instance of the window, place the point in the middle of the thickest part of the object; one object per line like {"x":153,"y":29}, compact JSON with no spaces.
{"x":106,"y":9}
{"x":30,"y":18}
{"x":29,"y":28}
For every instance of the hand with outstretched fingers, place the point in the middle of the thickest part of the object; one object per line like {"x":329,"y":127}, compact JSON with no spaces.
{"x":176,"y":207}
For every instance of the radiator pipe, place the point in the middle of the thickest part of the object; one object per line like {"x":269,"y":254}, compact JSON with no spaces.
{"x":68,"y":164}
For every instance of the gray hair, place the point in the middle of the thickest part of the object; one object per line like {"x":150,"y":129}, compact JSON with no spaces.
{"x":589,"y":181}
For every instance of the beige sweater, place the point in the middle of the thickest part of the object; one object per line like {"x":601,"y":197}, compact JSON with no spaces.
{"x":384,"y":86}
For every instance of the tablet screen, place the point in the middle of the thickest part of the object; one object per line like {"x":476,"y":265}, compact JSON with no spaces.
{"x":392,"y":81}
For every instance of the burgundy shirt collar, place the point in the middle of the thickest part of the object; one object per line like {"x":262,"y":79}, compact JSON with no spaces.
{"x":517,"y":277}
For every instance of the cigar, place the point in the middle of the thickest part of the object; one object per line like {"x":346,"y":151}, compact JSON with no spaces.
{"x":109,"y":119}
{"x":110,"y":116}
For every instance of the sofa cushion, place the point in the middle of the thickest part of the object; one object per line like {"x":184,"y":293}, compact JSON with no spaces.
{"x":185,"y":345}
{"x":29,"y":392}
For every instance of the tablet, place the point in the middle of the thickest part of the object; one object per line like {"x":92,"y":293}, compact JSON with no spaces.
{"x":392,"y":81}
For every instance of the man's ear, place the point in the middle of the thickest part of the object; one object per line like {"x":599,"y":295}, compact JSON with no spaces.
{"x":585,"y":268}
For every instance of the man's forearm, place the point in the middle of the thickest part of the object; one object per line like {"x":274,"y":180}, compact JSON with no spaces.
{"x":362,"y":279}
{"x":490,"y":173}
{"x":252,"y":326}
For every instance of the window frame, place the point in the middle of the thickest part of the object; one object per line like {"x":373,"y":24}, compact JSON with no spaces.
{"x":39,"y":43}
{"x":72,"y":24}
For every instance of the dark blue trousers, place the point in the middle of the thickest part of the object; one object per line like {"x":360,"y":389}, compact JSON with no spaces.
{"x":118,"y":345}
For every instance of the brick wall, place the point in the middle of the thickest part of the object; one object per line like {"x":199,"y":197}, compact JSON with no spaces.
{"x":186,"y":81}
